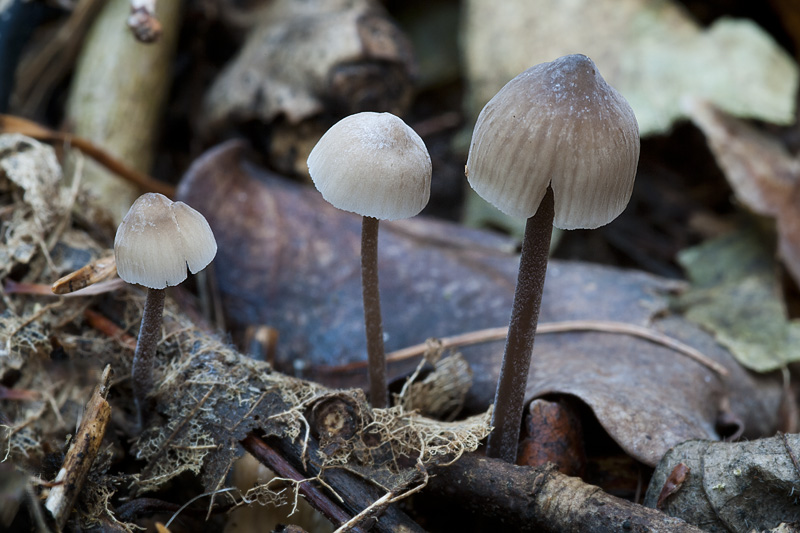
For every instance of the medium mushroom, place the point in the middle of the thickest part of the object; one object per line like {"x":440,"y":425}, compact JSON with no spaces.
{"x":374,"y":165}
{"x":154,"y":244}
{"x":558,"y":146}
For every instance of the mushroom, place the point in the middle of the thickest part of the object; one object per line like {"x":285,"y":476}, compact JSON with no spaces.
{"x":558,"y":146}
{"x":154,"y":244}
{"x":374,"y":165}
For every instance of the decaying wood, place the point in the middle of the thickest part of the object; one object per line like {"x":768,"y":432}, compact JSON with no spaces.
{"x":118,"y":96}
{"x":81,"y":454}
{"x":361,"y":61}
{"x":540,"y":499}
{"x":357,"y":491}
{"x":94,"y":272}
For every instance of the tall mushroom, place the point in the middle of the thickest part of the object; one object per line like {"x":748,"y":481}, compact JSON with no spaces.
{"x":154,"y":244}
{"x":374,"y":165}
{"x":559,"y":146}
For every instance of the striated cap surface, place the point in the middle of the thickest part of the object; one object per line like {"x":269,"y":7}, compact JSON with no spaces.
{"x":557,"y":124}
{"x":158,"y":239}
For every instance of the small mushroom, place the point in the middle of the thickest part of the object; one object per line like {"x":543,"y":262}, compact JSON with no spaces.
{"x":374,"y":165}
{"x":155,"y":243}
{"x":559,"y":146}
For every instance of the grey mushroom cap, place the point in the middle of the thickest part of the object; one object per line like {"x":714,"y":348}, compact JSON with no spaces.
{"x":557,"y":124}
{"x":158,"y":239}
{"x":372,"y":164}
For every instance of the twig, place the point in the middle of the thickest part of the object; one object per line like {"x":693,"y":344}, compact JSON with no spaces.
{"x":499,"y":333}
{"x":81,"y":454}
{"x":375,"y":508}
{"x":35,"y":316}
{"x":12,"y":124}
{"x":270,"y":458}
{"x":187,"y":504}
{"x":540,"y":499}
{"x":96,"y":271}
{"x":40,"y":289}
{"x":104,"y":325}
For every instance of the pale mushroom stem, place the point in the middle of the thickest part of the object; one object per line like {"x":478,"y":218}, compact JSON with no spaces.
{"x":510,"y":395}
{"x":376,"y":357}
{"x":142,"y":367}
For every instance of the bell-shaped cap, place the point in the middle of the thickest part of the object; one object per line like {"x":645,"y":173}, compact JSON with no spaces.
{"x":158,"y":239}
{"x":557,"y":124}
{"x":372,"y":164}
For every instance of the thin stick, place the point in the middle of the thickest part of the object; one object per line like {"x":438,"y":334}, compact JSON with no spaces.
{"x":376,"y":356}
{"x":278,"y":464}
{"x":374,"y":508}
{"x":12,"y":124}
{"x":568,"y":326}
{"x":81,"y":454}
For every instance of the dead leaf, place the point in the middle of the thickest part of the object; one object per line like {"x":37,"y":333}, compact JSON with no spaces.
{"x":649,"y":50}
{"x":736,"y":295}
{"x":739,"y":487}
{"x":762,"y":173}
{"x":673,"y":483}
{"x":290,"y":260}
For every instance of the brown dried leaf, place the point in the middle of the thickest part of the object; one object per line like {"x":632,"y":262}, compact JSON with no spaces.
{"x":290,"y":260}
{"x":763,"y":175}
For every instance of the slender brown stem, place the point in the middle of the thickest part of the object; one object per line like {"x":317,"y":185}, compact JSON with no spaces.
{"x":507,"y":416}
{"x":376,"y":357}
{"x":149,"y":335}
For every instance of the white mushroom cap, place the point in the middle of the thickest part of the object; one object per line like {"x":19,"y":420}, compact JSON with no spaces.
{"x":158,"y":239}
{"x":372,"y":164}
{"x":558,"y":124}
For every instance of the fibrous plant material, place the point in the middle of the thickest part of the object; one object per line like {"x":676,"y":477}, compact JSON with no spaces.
{"x":215,"y":396}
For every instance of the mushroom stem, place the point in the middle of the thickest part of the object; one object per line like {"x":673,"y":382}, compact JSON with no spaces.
{"x":142,"y":366}
{"x":510,"y":395}
{"x":376,"y":357}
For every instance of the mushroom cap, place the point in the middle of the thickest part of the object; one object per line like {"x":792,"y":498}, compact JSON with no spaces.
{"x":557,"y":124}
{"x":374,"y":165}
{"x":158,"y":239}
